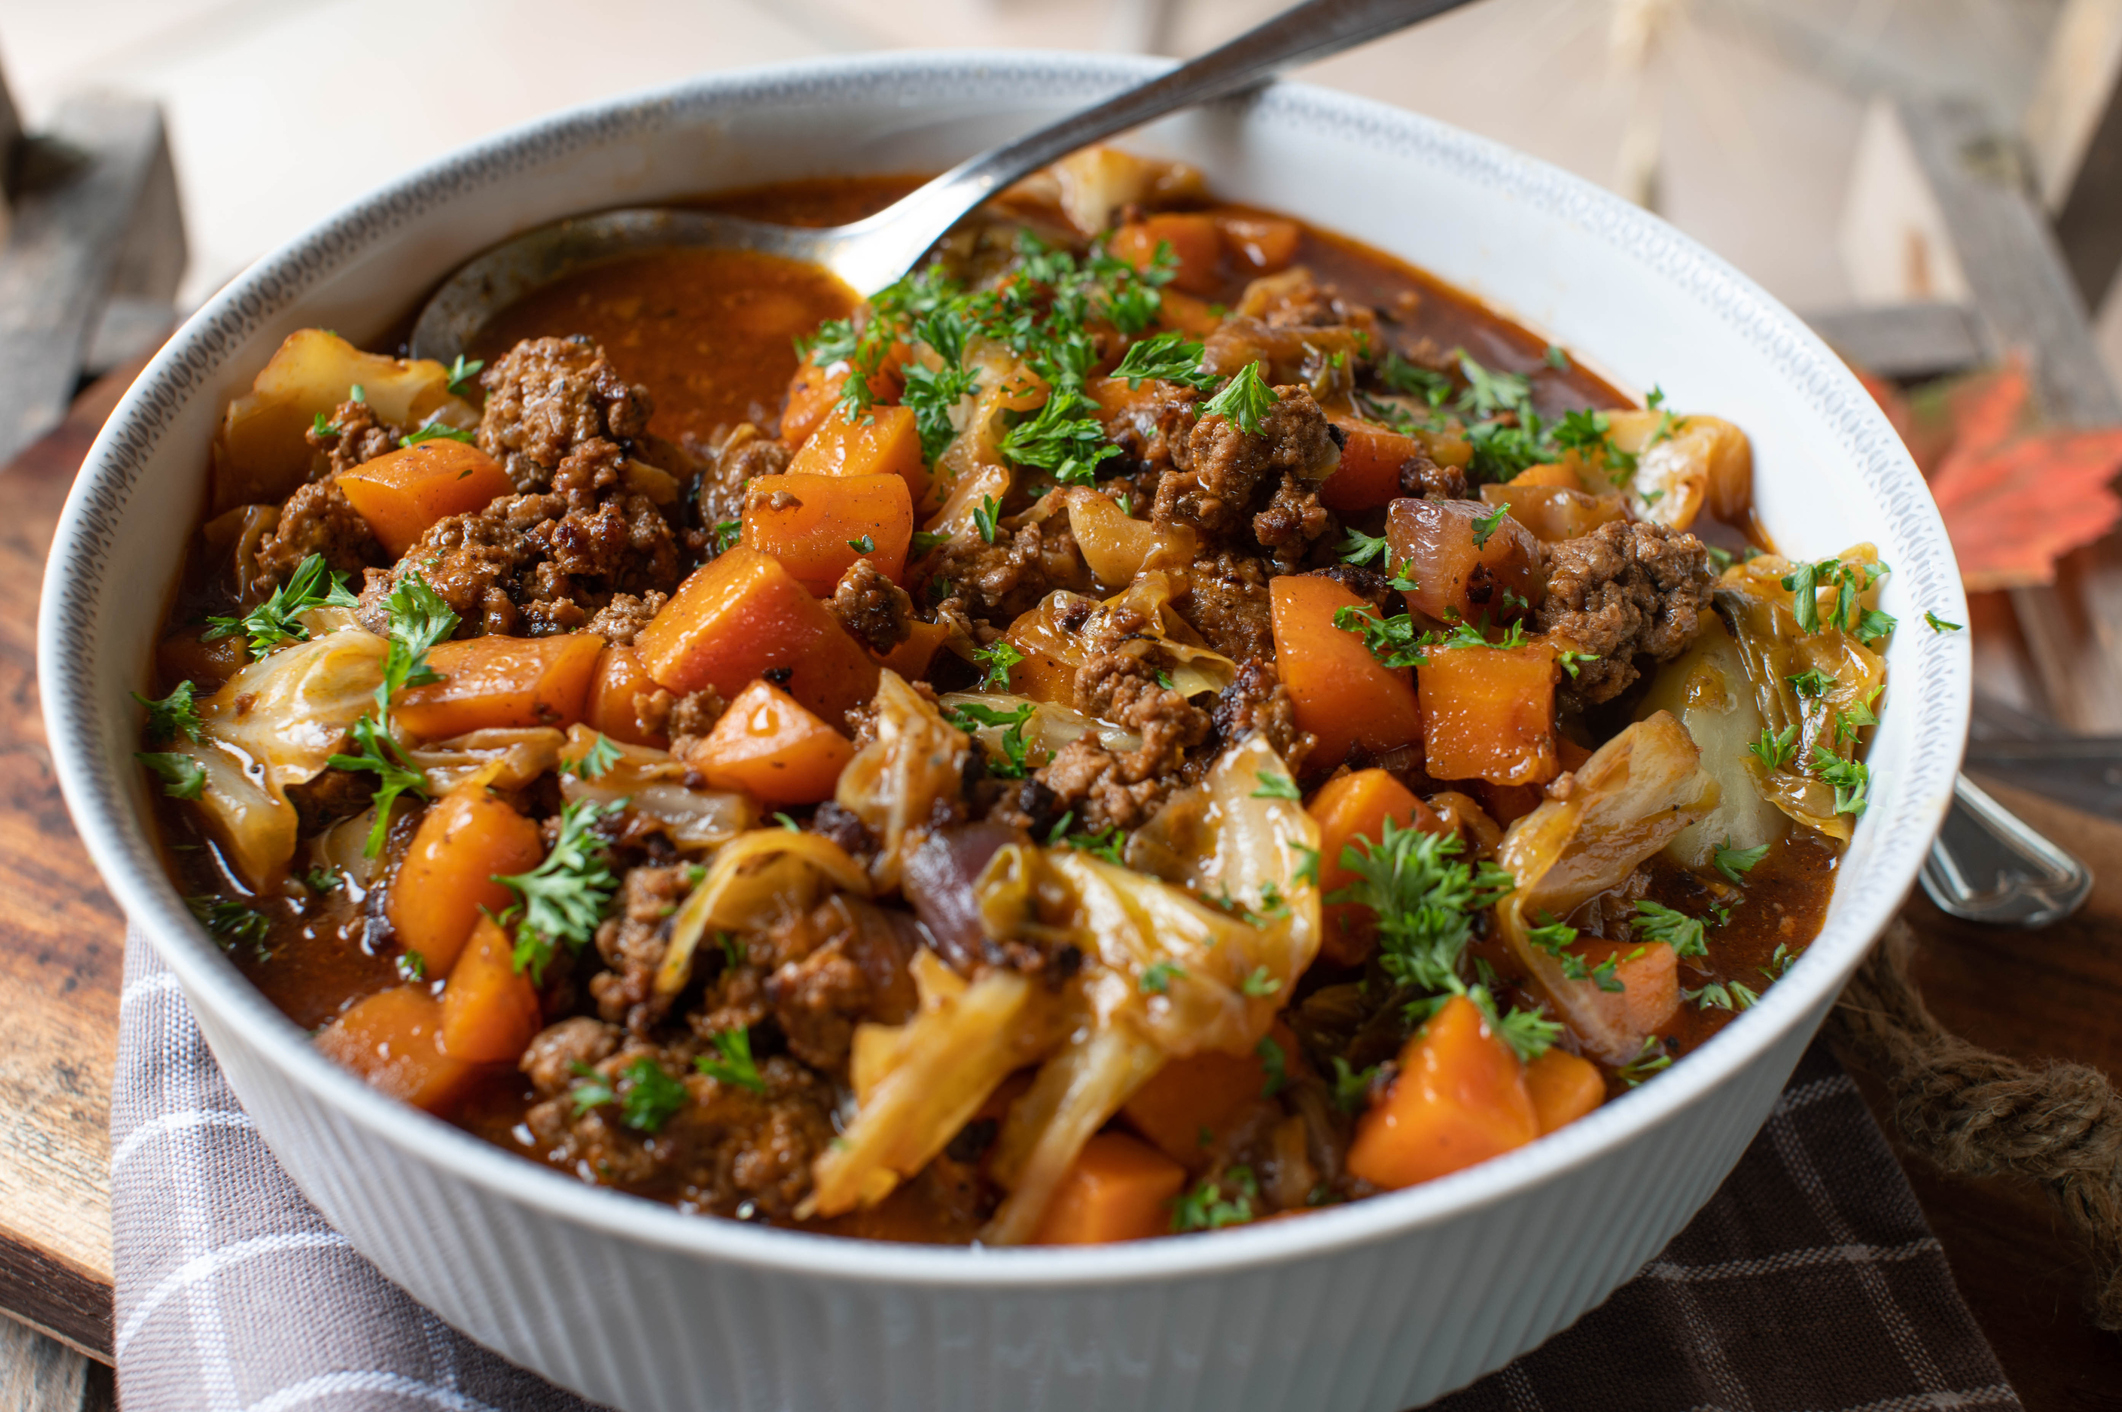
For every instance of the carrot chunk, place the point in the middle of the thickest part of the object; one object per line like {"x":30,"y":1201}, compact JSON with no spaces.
{"x":1564,"y":1087}
{"x":1356,"y":806}
{"x":490,"y":1011}
{"x":1649,"y":976}
{"x":1491,"y":713}
{"x":1119,"y":1189}
{"x":402,"y":493}
{"x":613,"y":705}
{"x":910,"y":659}
{"x":464,"y":841}
{"x":882,"y":442}
{"x":1264,"y":244}
{"x":818,"y":526}
{"x":744,"y":615}
{"x":1460,"y":1098}
{"x":769,"y":746}
{"x":492,"y":682}
{"x":1195,"y":242}
{"x":392,"y":1039}
{"x":1192,"y":1102}
{"x":814,"y":391}
{"x":1369,"y":471}
{"x":1338,"y":689}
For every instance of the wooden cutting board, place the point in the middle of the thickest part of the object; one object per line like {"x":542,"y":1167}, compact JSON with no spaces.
{"x":2050,"y":994}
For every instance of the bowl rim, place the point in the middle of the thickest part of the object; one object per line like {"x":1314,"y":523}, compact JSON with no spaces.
{"x":102,"y":801}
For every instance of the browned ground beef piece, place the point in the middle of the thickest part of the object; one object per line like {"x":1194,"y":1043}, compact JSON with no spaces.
{"x":1624,"y":590}
{"x":354,"y":435}
{"x":726,"y":1148}
{"x":531,"y":565}
{"x":1233,"y":472}
{"x":1425,"y":479}
{"x":1292,"y":520}
{"x":1229,"y":605}
{"x":1256,"y":701}
{"x":551,"y":1059}
{"x":1153,"y":430}
{"x":317,"y":519}
{"x":687,"y":719}
{"x":843,"y":962}
{"x":742,"y":456}
{"x":632,"y":943}
{"x":871,"y":607}
{"x":1369,"y":585}
{"x":548,"y":395}
{"x":1103,"y":787}
{"x":618,"y":621}
{"x":1000,"y":580}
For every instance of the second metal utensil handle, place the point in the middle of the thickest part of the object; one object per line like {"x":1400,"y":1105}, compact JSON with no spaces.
{"x":1300,"y":34}
{"x":1989,"y":865}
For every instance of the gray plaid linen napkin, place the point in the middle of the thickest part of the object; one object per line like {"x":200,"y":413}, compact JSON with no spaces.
{"x":1808,"y":1284}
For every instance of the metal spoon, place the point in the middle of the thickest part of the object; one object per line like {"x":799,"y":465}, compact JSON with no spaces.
{"x":871,"y":253}
{"x":1989,"y":865}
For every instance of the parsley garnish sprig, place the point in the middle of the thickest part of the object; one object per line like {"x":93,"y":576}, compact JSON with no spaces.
{"x":563,"y":899}
{"x":311,"y":585}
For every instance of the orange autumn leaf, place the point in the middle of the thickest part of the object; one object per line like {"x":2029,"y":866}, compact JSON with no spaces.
{"x":2016,"y":501}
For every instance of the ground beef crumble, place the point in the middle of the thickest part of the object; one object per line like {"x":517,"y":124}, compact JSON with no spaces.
{"x":548,"y":395}
{"x":317,"y":519}
{"x":1625,"y":590}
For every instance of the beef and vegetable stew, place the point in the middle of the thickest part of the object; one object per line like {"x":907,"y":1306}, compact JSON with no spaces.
{"x":1164,"y":718}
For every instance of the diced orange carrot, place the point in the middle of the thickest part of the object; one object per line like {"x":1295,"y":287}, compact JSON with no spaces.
{"x":494,"y":681}
{"x":882,"y":442}
{"x":1564,"y":1087}
{"x":1187,"y":314}
{"x":1119,"y":1189}
{"x":769,"y":746}
{"x":1193,"y":238}
{"x":393,"y":1040}
{"x":1356,"y":806}
{"x":1649,"y":975}
{"x":402,"y":493}
{"x":1562,"y":474}
{"x":490,"y":1011}
{"x":1491,"y":713}
{"x":1208,"y":1093}
{"x":742,"y":616}
{"x":1338,"y":689}
{"x":1459,"y":1098}
{"x":615,"y":692}
{"x":817,"y":525}
{"x":1264,"y":244}
{"x":815,"y":391}
{"x":1369,"y":473}
{"x":465,"y":840}
{"x":911,"y":658}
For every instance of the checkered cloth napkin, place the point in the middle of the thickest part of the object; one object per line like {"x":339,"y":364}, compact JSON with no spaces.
{"x":1808,"y":1282}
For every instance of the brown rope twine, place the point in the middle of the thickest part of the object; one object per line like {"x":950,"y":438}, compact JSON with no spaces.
{"x":1978,"y":1114}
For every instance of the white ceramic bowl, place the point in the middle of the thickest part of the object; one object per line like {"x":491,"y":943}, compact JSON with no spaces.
{"x":1374,"y":1306}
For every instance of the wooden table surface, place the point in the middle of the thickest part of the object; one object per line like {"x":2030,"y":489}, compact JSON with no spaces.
{"x":2050,"y":994}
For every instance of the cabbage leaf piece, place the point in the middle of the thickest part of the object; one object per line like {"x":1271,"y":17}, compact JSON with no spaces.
{"x":1141,"y":619}
{"x":755,"y":878}
{"x":274,"y":724}
{"x":651,"y":782}
{"x":1762,"y":616}
{"x":893,"y":782}
{"x":1627,"y":802}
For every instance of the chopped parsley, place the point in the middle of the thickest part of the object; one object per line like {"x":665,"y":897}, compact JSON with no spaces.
{"x":1812,"y":683}
{"x":1308,"y":870}
{"x":1259,"y":984}
{"x":1938,"y":624}
{"x":1245,"y":400}
{"x":1206,"y":1208}
{"x":174,"y":715}
{"x":1721,"y":995}
{"x":732,"y":1062}
{"x":231,"y":922}
{"x":1275,"y":1062}
{"x":867,"y":544}
{"x":434,"y":429}
{"x":1392,"y":640}
{"x":1486,"y":525}
{"x":1849,"y":777}
{"x":461,"y":373}
{"x":1681,"y":932}
{"x":1167,"y":357}
{"x":1556,"y":937}
{"x":1157,"y":979}
{"x":1064,"y":437}
{"x":986,"y":517}
{"x":311,"y":585}
{"x":419,"y":618}
{"x":603,"y":753}
{"x":1274,"y":786}
{"x":1847,"y":613}
{"x":970,"y":716}
{"x":1361,"y":548}
{"x":996,"y":660}
{"x":1779,"y":963}
{"x":1736,"y":863}
{"x":561,"y":901}
{"x":323,"y":880}
{"x":727,"y":533}
{"x":412,"y":967}
{"x":182,"y":777}
{"x":1650,"y":1059}
{"x":380,"y":754}
{"x":647,"y":1094}
{"x":1352,"y":1086}
{"x":925,"y":540}
{"x":1774,"y":748}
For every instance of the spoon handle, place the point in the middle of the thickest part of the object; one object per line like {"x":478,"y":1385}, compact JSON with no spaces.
{"x":1300,"y":34}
